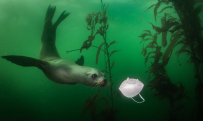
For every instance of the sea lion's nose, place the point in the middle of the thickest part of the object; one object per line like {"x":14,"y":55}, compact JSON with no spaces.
{"x":105,"y":81}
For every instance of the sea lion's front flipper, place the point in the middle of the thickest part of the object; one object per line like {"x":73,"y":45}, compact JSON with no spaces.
{"x":26,"y":61}
{"x":80,"y":61}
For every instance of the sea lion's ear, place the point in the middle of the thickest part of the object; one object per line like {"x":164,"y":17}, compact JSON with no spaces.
{"x":26,"y":61}
{"x":80,"y":61}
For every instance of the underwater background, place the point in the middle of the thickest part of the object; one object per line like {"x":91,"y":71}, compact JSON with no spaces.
{"x":26,"y":94}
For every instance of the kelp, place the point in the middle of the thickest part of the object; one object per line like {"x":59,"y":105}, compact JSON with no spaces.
{"x":150,"y":7}
{"x":112,"y":64}
{"x":183,"y":49}
{"x":146,"y":40}
{"x":113,"y":42}
{"x":166,"y":8}
{"x":167,"y":22}
{"x":165,"y":89}
{"x":144,"y":35}
{"x":148,"y":31}
{"x":192,"y":43}
{"x":157,"y":29}
{"x":87,"y":43}
{"x":180,"y":92}
{"x":198,"y":10}
{"x":156,"y":68}
{"x":144,"y":51}
{"x":157,"y":5}
{"x":164,"y":33}
{"x":104,"y":71}
{"x":147,"y":57}
{"x":92,"y":19}
{"x":155,"y":9}
{"x":151,"y":45}
{"x":91,"y":105}
{"x":158,"y":55}
{"x":113,"y":52}
{"x":105,"y":114}
{"x":108,"y":113}
{"x":155,"y":81}
{"x":98,"y":51}
{"x":97,"y":17}
{"x":118,"y":93}
{"x":170,"y":47}
{"x":166,"y":25}
{"x":161,"y":85}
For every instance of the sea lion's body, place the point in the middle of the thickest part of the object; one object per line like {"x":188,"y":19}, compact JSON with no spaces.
{"x":66,"y":72}
{"x":57,"y":69}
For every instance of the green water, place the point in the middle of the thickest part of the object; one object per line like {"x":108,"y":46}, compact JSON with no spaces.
{"x":26,"y":94}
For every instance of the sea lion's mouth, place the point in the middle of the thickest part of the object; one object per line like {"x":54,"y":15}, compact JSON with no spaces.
{"x":102,"y":83}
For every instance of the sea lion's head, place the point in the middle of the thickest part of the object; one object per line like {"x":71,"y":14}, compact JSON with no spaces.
{"x":95,"y":78}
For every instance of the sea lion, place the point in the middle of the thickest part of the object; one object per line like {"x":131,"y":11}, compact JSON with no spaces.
{"x":57,"y":69}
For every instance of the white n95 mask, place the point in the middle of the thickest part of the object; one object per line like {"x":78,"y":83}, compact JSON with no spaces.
{"x":131,"y":87}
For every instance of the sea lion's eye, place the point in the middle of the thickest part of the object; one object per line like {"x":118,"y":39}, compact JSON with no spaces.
{"x":94,"y":76}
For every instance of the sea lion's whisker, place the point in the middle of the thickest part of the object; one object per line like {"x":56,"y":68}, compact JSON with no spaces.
{"x":98,"y":85}
{"x":91,"y":85}
{"x":94,"y":85}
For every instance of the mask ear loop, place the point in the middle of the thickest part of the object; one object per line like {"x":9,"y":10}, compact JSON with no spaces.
{"x":140,"y":97}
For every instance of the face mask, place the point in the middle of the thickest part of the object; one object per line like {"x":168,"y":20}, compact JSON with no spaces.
{"x":131,"y":87}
